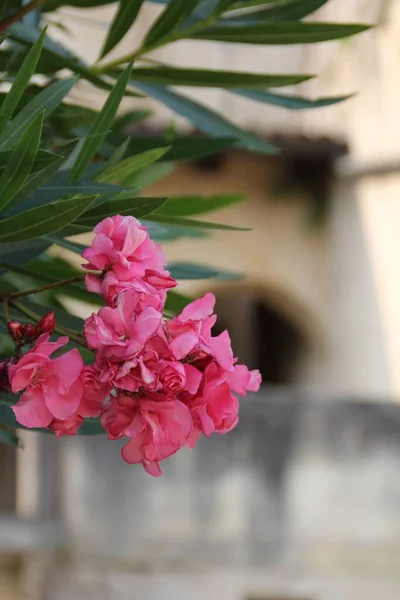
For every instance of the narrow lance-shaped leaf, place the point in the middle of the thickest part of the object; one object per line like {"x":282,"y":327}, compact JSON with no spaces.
{"x":118,"y":154}
{"x":183,"y":222}
{"x":21,"y":161}
{"x":35,"y":181}
{"x":291,"y":102}
{"x":21,"y":81}
{"x":192,"y":271}
{"x":186,"y":206}
{"x":126,"y":168}
{"x":282,"y":33}
{"x":101,"y":125}
{"x":205,"y":119}
{"x":208,"y":78}
{"x":7,"y":437}
{"x":136,"y":207}
{"x":169,"y":21}
{"x":46,"y":101}
{"x":282,"y":10}
{"x":45,"y":219}
{"x":124,"y":19}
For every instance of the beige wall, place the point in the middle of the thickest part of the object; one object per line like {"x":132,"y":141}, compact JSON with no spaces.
{"x":321,"y":279}
{"x":279,"y":259}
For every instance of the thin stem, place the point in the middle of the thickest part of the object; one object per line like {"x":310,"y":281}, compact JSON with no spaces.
{"x":6,"y":310}
{"x":58,"y":329}
{"x":17,"y":16}
{"x":44,"y":288}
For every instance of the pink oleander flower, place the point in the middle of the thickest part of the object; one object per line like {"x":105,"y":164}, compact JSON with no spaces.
{"x":121,"y":244}
{"x":119,"y":332}
{"x":95,"y":393}
{"x":53,"y":386}
{"x":157,"y":425}
{"x":190,"y":332}
{"x":110,"y":286}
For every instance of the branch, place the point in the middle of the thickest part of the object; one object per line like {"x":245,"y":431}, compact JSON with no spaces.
{"x":17,"y":16}
{"x":44,"y":288}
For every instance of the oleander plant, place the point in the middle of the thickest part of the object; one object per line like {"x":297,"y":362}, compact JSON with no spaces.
{"x":145,"y":366}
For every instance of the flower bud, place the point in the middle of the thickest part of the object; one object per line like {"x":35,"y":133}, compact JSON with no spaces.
{"x":46,"y":324}
{"x":30,"y":332}
{"x":16,"y":331}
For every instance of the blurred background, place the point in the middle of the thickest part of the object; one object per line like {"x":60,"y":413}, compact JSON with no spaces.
{"x":302,"y":500}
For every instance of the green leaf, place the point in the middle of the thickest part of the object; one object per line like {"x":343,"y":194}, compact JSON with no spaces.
{"x":282,"y":10}
{"x":101,"y":125}
{"x":176,"y":302}
{"x":191,"y":271}
{"x":123,"y":171}
{"x":169,"y":21}
{"x":22,"y":252}
{"x":283,"y":33}
{"x":21,"y":161}
{"x":45,"y":219}
{"x":36,"y":181}
{"x":46,"y":101}
{"x":151,"y":174}
{"x":186,"y":206}
{"x":136,"y":207}
{"x":205,"y":119}
{"x":187,"y":223}
{"x":8,"y":438}
{"x":118,"y":154}
{"x":67,"y":244}
{"x":55,"y":189}
{"x":42,"y":160}
{"x":91,"y":427}
{"x":124,"y":19}
{"x":21,"y":81}
{"x":187,"y":148}
{"x":206,"y":78}
{"x":291,"y":102}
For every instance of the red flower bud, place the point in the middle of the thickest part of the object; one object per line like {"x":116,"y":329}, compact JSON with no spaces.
{"x":30,"y":332}
{"x":46,"y":324}
{"x":16,"y":331}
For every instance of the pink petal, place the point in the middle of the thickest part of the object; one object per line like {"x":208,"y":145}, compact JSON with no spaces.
{"x":220,"y":348}
{"x":31,"y":410}
{"x":153,"y":468}
{"x":199,"y":309}
{"x":93,"y":283}
{"x":45,"y":348}
{"x":67,"y":368}
{"x":146,"y":325}
{"x":182,"y":345}
{"x":132,"y":452}
{"x":193,"y":379}
{"x":62,"y":405}
{"x":26,"y":368}
{"x":239,"y":379}
{"x":255,"y":381}
{"x":134,"y":237}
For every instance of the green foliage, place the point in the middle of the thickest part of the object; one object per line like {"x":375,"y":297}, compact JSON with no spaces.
{"x":63,"y":168}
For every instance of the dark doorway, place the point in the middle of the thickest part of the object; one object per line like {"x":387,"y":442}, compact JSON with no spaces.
{"x":262,"y":336}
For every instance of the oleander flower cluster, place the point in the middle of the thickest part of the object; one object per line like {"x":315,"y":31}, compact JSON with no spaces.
{"x":158,"y":383}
